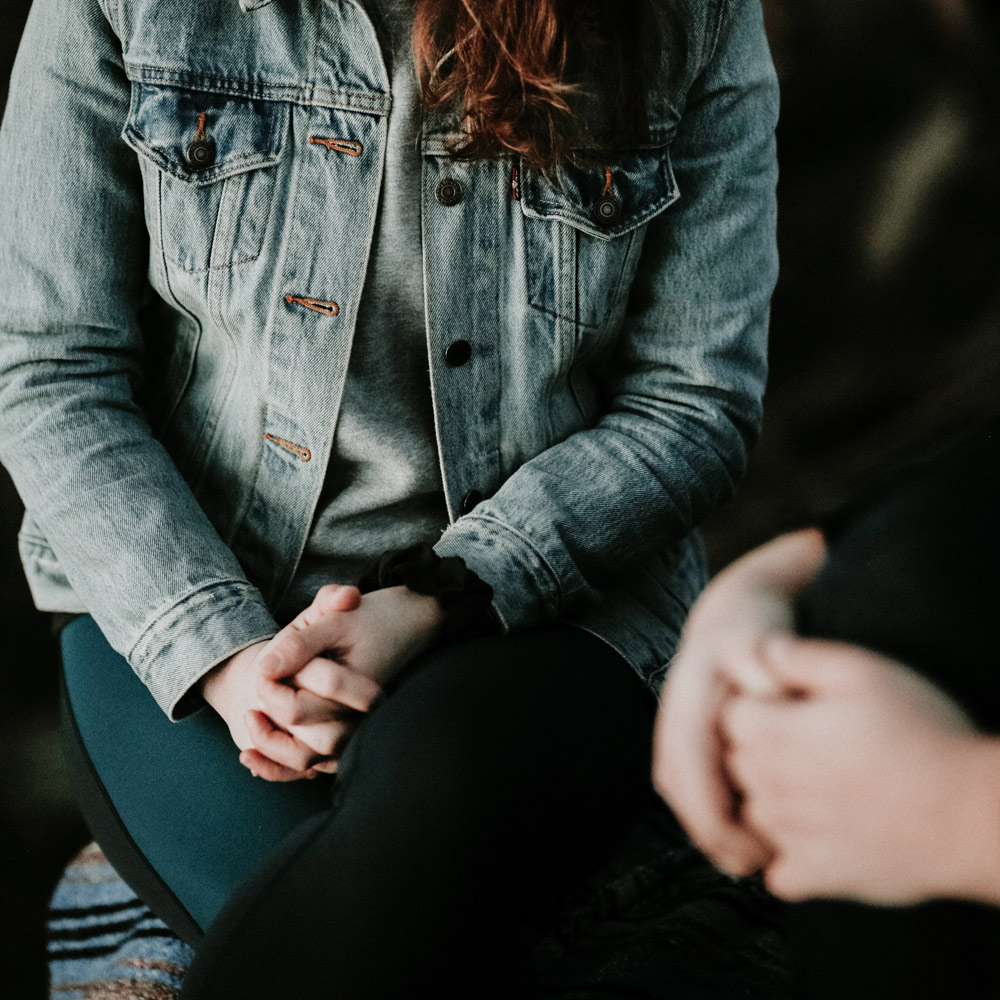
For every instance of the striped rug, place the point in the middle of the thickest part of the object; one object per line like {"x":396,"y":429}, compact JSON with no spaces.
{"x":103,"y":943}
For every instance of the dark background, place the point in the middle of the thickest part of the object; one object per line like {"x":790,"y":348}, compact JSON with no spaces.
{"x":885,"y":341}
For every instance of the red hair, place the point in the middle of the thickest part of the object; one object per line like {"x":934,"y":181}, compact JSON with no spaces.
{"x":533,"y":77}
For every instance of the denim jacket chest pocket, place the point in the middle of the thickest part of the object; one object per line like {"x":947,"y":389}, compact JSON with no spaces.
{"x":583,"y":231}
{"x":208,"y":164}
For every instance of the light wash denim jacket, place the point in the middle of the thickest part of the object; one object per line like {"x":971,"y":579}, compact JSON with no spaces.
{"x":174,"y":341}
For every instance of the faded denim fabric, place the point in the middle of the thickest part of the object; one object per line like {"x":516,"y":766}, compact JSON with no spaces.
{"x":174,"y":342}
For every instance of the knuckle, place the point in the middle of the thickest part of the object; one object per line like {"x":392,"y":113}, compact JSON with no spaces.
{"x":335,"y":684}
{"x":268,"y":691}
{"x":299,"y":758}
{"x":294,"y":646}
{"x":302,"y":618}
{"x":295,"y":715}
{"x":280,"y":703}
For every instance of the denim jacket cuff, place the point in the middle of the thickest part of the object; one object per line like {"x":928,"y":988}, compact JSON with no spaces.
{"x":526,"y":590}
{"x":197,"y":633}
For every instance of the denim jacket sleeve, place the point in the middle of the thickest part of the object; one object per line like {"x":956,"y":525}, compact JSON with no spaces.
{"x":686,"y":380}
{"x":128,"y":532}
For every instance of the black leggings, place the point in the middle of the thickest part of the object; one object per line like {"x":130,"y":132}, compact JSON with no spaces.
{"x":496,"y":775}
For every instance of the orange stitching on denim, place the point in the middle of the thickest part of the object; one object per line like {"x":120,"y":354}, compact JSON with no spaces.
{"x":200,"y":134}
{"x":296,"y":449}
{"x":349,"y":146}
{"x":607,"y":182}
{"x":515,"y":184}
{"x":317,"y":305}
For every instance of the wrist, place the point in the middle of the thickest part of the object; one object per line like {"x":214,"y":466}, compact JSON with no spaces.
{"x":214,"y":683}
{"x":217,"y":682}
{"x":463,"y":599}
{"x":427,"y":614}
{"x":975,"y":830}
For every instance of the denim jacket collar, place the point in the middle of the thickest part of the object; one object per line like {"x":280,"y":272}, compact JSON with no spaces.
{"x":254,"y":4}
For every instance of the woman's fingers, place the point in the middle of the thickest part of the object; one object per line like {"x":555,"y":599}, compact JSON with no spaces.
{"x":326,"y":766}
{"x":303,"y":751}
{"x":289,"y":705}
{"x":327,"y":741}
{"x":299,"y":700}
{"x":277,"y":745}
{"x":336,"y":682}
{"x":263,"y":767}
{"x":324,"y":625}
{"x":330,"y":598}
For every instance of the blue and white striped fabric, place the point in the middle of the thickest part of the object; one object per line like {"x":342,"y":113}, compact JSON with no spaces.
{"x":104,"y":944}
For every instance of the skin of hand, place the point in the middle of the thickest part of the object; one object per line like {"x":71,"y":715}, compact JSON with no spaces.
{"x":236,"y":689}
{"x":868,"y":781}
{"x":749,"y":601}
{"x":340,"y":651}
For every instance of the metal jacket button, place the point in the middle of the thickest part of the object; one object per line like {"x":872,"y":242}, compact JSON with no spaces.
{"x":608,"y":210}
{"x":201,"y":154}
{"x":448,"y":191}
{"x":458,"y":353}
{"x":470,"y":501}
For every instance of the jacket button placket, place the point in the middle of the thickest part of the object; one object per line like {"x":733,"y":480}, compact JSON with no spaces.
{"x":470,"y":501}
{"x":457,"y":353}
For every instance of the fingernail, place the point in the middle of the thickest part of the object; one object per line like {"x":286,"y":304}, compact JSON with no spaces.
{"x":255,"y":774}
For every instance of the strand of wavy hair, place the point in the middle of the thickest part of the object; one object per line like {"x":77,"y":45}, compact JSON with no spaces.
{"x":516,"y":68}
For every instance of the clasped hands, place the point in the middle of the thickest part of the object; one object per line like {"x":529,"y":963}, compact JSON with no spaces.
{"x":293,"y":703}
{"x":835,"y":771}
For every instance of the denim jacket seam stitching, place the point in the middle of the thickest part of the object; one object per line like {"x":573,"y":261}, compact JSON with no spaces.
{"x":198,"y":595}
{"x":557,"y":212}
{"x":221,"y":174}
{"x":724,"y":10}
{"x":557,"y":315}
{"x":208,"y":434}
{"x":147,"y":73}
{"x":168,"y":413}
{"x":224,"y":173}
{"x":112,"y":14}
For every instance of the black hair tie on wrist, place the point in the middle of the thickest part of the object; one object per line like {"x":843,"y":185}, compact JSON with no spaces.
{"x":465,"y":599}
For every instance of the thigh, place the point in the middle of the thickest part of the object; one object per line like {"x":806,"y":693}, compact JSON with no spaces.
{"x":496,"y":773}
{"x":177,"y":814}
{"x":549,"y":720}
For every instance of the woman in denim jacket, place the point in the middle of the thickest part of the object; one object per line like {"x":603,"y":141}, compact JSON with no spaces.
{"x":273,"y":305}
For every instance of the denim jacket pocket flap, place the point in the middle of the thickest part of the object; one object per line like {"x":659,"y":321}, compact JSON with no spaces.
{"x":200,"y":136}
{"x":602,"y":199}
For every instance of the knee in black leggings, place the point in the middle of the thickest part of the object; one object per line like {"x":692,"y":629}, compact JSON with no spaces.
{"x":486,"y":781}
{"x":518,"y":754}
